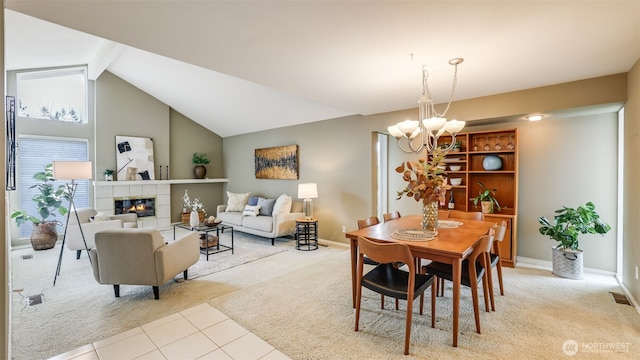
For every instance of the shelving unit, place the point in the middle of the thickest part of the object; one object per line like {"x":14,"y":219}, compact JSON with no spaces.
{"x":474,"y":148}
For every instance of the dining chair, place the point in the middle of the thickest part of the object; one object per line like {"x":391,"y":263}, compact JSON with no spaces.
{"x":464,"y":215}
{"x":391,"y":216}
{"x":473,"y":272}
{"x":496,"y":259}
{"x":386,"y":279}
{"x":370,"y":221}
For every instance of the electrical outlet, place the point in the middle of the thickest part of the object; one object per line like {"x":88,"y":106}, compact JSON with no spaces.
{"x":344,"y":230}
{"x":636,"y":272}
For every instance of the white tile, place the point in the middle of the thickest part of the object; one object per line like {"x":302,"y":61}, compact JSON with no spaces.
{"x":225,"y":332}
{"x":164,"y":189}
{"x":121,"y":191}
{"x":163,"y":211}
{"x":119,"y":337}
{"x":163,"y":199}
{"x":135,"y":190}
{"x":149,"y":189}
{"x":104,"y":204}
{"x":275,"y":355}
{"x":162,"y":321}
{"x":248,"y":347}
{"x":190,"y":347}
{"x":195,"y":309}
{"x":83,"y":350}
{"x":216,"y":355}
{"x":154,"y":355}
{"x":129,"y":348}
{"x":172,"y":331}
{"x":204,"y":317}
{"x":88,"y":356}
{"x":103,"y":191}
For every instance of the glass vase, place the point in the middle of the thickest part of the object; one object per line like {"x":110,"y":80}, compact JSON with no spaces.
{"x":430,"y":217}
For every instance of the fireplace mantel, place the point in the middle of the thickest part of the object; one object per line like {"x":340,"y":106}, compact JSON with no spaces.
{"x":158,"y":182}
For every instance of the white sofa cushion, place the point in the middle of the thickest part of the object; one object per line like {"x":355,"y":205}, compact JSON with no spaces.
{"x":282,"y":205}
{"x":261,"y":223}
{"x":236,"y":202}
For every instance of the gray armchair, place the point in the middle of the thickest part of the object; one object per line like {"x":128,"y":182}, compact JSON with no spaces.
{"x":141,"y":257}
{"x":91,"y":226}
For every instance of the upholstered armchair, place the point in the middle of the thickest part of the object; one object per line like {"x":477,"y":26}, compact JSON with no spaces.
{"x":92,"y":222}
{"x":141,"y":257}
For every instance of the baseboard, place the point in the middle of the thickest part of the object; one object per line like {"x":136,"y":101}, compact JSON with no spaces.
{"x":332,"y":243}
{"x":544,"y":264}
{"x":628,"y":293}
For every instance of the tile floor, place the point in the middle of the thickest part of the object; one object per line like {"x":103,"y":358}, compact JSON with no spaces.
{"x":201,"y":332}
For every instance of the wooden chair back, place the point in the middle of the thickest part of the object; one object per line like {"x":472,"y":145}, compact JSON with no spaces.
{"x":464,"y":215}
{"x":385,"y":253}
{"x":391,"y":216}
{"x":370,"y":221}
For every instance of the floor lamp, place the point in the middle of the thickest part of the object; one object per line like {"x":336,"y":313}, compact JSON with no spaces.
{"x":71,"y":170}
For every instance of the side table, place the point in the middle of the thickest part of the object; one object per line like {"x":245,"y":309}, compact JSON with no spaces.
{"x":306,"y":234}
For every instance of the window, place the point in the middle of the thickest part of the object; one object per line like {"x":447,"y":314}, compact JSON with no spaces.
{"x":59,"y":94}
{"x":33,"y":154}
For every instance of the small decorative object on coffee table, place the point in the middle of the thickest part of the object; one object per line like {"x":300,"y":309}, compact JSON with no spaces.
{"x":306,"y":234}
{"x":209,"y":243}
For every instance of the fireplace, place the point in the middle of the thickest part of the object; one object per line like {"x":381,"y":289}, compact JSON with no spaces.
{"x":143,"y":206}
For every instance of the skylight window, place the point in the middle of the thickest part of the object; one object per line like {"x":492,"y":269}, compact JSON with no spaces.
{"x":59,"y":94}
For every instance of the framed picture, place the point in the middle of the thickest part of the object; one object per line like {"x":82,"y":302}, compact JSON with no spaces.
{"x":279,"y":162}
{"x":134,"y":158}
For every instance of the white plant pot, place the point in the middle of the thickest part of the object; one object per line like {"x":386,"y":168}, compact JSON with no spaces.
{"x":567,"y":263}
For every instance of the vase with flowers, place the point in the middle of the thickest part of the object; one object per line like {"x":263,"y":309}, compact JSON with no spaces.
{"x":197,"y":213}
{"x":426,"y":182}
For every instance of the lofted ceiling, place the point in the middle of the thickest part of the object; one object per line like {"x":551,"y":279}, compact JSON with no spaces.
{"x":237,"y":67}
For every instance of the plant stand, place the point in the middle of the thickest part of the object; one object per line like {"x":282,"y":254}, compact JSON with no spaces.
{"x":568,"y":263}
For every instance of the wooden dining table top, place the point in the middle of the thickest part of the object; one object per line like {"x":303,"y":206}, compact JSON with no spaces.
{"x":455,"y":242}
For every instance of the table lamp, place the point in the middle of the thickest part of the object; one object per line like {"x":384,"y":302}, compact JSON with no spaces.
{"x":307,"y":192}
{"x":71,"y":170}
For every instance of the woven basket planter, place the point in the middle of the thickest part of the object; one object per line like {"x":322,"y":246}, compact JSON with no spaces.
{"x":568,"y":263}
{"x":185,"y":217}
{"x":44,"y":236}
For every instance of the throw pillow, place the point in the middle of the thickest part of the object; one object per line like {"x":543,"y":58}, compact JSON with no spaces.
{"x":282,"y":205}
{"x":266,"y":206}
{"x":250,"y":210}
{"x":236,"y":202}
{"x":99,"y":217}
{"x":253,"y":200}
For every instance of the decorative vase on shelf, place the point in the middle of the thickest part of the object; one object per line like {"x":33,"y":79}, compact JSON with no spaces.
{"x":430,"y":217}
{"x":194,"y":219}
{"x":492,"y":162}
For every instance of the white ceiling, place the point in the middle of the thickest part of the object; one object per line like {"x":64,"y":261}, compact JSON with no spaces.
{"x":242,"y":66}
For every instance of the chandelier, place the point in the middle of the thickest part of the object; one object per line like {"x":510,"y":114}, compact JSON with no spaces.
{"x":423,"y":134}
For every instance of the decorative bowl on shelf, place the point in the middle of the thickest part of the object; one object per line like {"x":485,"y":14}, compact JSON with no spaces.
{"x":442,"y":167}
{"x":455,"y":167}
{"x":492,"y":162}
{"x":456,"y":181}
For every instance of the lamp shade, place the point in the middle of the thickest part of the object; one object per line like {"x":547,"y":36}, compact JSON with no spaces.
{"x":71,"y":170}
{"x":307,"y":191}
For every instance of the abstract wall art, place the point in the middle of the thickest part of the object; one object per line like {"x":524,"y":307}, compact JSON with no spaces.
{"x":280,"y":162}
{"x":134,"y":158}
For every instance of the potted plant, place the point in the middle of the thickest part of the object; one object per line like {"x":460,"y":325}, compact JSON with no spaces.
{"x":569,"y":223}
{"x":49,"y":202}
{"x":200,"y":160}
{"x":108,"y":175}
{"x":487,"y":199}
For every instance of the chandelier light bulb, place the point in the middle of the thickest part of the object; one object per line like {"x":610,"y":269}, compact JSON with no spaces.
{"x":395,"y":132}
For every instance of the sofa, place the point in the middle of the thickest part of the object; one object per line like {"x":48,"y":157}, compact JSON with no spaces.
{"x":92,"y":222}
{"x":266,"y":217}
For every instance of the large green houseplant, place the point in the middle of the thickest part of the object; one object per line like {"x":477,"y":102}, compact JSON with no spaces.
{"x":568,"y":224}
{"x":487,"y":198}
{"x":49,"y":199}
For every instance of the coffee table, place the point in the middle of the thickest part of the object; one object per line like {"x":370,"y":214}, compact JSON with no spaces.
{"x":205,"y":230}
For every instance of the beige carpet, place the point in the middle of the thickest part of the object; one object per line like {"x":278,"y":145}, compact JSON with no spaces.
{"x":300,"y":302}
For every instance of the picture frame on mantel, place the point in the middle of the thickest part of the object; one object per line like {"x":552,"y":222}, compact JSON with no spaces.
{"x":134,"y":158}
{"x":280,"y":162}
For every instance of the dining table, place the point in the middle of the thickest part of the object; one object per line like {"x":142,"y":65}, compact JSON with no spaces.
{"x":452,"y":244}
